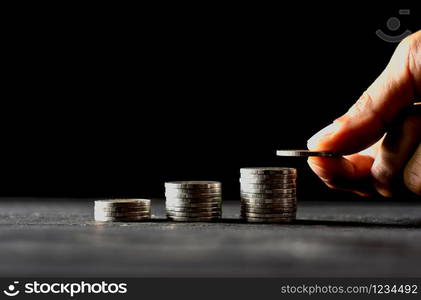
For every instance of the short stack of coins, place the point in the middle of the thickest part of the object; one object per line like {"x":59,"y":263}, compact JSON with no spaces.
{"x":122,"y":210}
{"x":268,"y":195}
{"x":193,"y":201}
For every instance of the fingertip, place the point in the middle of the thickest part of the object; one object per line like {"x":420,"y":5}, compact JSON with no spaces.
{"x":331,"y":169}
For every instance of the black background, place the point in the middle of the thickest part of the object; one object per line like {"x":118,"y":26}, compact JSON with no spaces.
{"x":111,"y":101}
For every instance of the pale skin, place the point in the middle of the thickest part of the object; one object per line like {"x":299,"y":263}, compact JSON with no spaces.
{"x":380,"y":134}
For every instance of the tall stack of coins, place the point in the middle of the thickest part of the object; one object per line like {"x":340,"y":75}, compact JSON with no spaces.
{"x":193,"y":201}
{"x":268,"y":194}
{"x":122,"y":210}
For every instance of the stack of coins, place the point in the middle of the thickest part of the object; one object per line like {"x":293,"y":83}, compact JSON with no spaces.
{"x":122,"y":210}
{"x":193,"y":201}
{"x":268,"y":194}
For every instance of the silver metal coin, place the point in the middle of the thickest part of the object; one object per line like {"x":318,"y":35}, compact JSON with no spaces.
{"x":289,"y":200}
{"x":192,"y":191}
{"x":123,"y":209}
{"x":193,"y":215}
{"x":194,"y":200}
{"x":181,"y":205}
{"x":128,"y":215}
{"x":188,"y":219}
{"x":267,"y":171}
{"x":270,"y":186}
{"x":194,"y":209}
{"x":257,"y":205}
{"x":268,"y":209}
{"x":186,"y":204}
{"x":172,"y":194}
{"x":197,"y":189}
{"x":192,"y":184}
{"x":268,"y":206}
{"x":269,"y":176}
{"x":277,"y":195}
{"x":123,"y":201}
{"x":249,"y":180}
{"x":250,"y":190}
{"x":109,"y":211}
{"x":260,"y":210}
{"x":306,"y":153}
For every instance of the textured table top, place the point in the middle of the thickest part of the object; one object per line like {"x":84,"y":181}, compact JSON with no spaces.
{"x":58,"y":237}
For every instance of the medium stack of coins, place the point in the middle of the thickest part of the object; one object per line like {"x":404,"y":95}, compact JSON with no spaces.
{"x":122,"y":210}
{"x":268,"y":194}
{"x":193,"y":201}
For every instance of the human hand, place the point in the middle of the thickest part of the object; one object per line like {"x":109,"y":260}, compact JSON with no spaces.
{"x":380,"y":134}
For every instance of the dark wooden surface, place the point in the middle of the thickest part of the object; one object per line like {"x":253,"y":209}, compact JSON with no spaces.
{"x":58,"y":237}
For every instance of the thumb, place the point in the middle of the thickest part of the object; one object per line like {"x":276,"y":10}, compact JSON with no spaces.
{"x":391,"y":93}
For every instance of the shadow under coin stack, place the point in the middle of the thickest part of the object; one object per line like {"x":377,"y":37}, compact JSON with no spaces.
{"x":268,"y":195}
{"x":122,"y":210}
{"x":193,"y":201}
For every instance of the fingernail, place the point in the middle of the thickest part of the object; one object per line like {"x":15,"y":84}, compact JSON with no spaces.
{"x":315,"y":140}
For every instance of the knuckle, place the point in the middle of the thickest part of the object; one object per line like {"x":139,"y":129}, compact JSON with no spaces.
{"x":384,"y":173}
{"x":364,"y":108}
{"x":410,"y":47}
{"x":363,"y":105}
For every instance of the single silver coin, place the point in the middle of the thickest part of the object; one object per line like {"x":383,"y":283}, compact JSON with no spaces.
{"x":122,"y":214}
{"x":119,"y":214}
{"x":278,"y":205}
{"x":194,"y":200}
{"x":183,"y":205}
{"x":249,"y":180}
{"x":123,"y":201}
{"x":254,"y":195}
{"x":290,"y":200}
{"x":250,"y":190}
{"x":194,"y":209}
{"x":172,"y":194}
{"x":260,"y":210}
{"x":193,"y":215}
{"x":192,"y":184}
{"x":268,"y":176}
{"x":260,"y":197}
{"x":188,"y":219}
{"x":186,"y":204}
{"x":123,"y":209}
{"x":192,"y":193}
{"x":197,"y":189}
{"x":267,"y":171}
{"x":270,"y":186}
{"x":268,"y":206}
{"x":307,"y":153}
